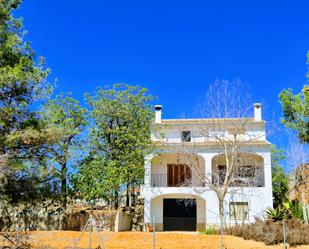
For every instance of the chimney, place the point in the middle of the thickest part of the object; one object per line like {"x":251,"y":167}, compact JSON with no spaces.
{"x":158,"y":118}
{"x":257,"y":112}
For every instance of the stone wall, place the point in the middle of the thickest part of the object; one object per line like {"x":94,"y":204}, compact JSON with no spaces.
{"x":137,"y":215}
{"x":49,"y":215}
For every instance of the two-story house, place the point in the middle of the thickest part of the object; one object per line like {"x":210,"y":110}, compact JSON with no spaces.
{"x":188,"y":163}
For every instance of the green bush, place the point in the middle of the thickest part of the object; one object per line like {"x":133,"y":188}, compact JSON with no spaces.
{"x":209,"y":231}
{"x":296,"y":210}
{"x":278,"y":213}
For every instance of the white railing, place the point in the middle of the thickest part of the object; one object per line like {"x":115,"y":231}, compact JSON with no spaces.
{"x":160,"y":180}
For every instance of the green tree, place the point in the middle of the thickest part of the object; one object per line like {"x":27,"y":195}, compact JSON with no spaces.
{"x":296,"y":111}
{"x":22,"y":83}
{"x":120,"y":136}
{"x":67,"y":118}
{"x":279,"y":178}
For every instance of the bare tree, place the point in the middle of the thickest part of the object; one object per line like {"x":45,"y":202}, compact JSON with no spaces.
{"x":297,"y":153}
{"x":226,"y":109}
{"x":298,"y":163}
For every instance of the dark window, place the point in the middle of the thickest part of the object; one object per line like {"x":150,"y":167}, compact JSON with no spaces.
{"x":221,"y":174}
{"x":186,"y":136}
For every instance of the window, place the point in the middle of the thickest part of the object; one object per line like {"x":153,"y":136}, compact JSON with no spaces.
{"x":221,"y":174}
{"x":186,"y":136}
{"x":239,"y":211}
{"x":178,"y":175}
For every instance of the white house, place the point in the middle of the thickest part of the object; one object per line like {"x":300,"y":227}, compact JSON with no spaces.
{"x":175,"y":191}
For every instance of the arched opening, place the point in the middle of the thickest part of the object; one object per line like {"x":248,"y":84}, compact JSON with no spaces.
{"x":247,"y":170}
{"x":178,"y":212}
{"x":177,"y":170}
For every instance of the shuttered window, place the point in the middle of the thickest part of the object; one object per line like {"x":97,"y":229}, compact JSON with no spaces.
{"x":178,"y":175}
{"x":239,"y":211}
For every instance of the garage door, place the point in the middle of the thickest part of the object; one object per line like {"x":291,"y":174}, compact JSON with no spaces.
{"x":179,"y":214}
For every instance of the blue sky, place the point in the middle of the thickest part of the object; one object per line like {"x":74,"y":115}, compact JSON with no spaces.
{"x":173,"y":48}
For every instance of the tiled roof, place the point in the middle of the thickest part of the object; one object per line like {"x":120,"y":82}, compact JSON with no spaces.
{"x":210,"y":144}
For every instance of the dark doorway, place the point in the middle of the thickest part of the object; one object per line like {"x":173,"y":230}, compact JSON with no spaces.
{"x":179,"y":214}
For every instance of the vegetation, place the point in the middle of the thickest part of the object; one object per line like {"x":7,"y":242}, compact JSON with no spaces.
{"x":296,"y":111}
{"x":296,"y":210}
{"x":279,"y":178}
{"x":22,"y":84}
{"x":118,"y":141}
{"x":270,"y":232}
{"x":210,"y":231}
{"x":278,"y":214}
{"x":43,"y":142}
{"x":64,"y":115}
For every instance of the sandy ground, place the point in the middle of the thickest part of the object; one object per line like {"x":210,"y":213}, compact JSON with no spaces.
{"x":135,"y":240}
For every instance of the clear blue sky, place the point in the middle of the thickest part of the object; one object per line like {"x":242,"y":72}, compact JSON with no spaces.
{"x":174,"y":48}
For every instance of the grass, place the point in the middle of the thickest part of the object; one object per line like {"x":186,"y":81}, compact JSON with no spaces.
{"x":209,"y":231}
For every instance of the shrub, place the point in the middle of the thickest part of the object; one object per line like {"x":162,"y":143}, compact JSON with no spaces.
{"x":270,"y":232}
{"x":209,"y":231}
{"x":278,"y":213}
{"x":296,"y":210}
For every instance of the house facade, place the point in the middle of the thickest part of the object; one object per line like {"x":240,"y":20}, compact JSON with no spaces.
{"x":188,"y":163}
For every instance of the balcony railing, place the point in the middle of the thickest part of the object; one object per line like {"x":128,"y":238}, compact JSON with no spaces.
{"x":256,"y":181}
{"x":160,"y":180}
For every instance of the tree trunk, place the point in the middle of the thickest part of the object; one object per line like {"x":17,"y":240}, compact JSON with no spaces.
{"x":133,"y":201}
{"x":116,"y":199}
{"x":128,"y":195}
{"x":64,"y":184}
{"x":222,"y":222}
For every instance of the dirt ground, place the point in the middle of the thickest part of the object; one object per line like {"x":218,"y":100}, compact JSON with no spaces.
{"x":139,"y":240}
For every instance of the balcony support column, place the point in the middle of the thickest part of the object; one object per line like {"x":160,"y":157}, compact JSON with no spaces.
{"x":208,"y":165}
{"x":147,"y":178}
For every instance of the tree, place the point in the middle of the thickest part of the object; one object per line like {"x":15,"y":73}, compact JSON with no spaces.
{"x":118,"y":139}
{"x":22,"y":82}
{"x":296,"y":111}
{"x":296,"y":116}
{"x":228,"y":107}
{"x":296,"y":153}
{"x":279,"y":178}
{"x":64,"y":115}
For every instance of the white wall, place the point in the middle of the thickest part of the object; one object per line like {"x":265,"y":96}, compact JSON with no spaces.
{"x":258,"y":198}
{"x":202,"y":132}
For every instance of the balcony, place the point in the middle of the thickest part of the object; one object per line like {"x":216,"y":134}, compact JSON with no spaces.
{"x":161,"y":180}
